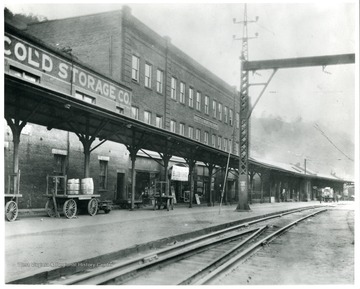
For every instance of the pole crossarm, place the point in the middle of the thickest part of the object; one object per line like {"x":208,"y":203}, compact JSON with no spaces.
{"x":299,"y":62}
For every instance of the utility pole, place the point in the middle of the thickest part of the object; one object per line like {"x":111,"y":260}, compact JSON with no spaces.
{"x":244,"y":117}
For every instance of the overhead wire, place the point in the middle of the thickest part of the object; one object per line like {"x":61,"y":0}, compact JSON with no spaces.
{"x":324,"y":134}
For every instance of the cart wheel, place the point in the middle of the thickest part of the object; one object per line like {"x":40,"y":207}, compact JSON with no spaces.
{"x":93,"y":207}
{"x":11,"y":211}
{"x":70,"y":208}
{"x":50,"y":209}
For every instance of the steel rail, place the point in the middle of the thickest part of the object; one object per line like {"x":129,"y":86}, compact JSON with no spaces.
{"x":117,"y":272}
{"x":220,"y":259}
{"x":215,"y":273}
{"x":160,"y":254}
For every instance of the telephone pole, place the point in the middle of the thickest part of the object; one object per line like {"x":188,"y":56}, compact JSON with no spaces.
{"x":244,"y":117}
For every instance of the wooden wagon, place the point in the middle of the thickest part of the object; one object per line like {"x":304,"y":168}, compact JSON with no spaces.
{"x":166,"y":201}
{"x":69,"y":204}
{"x":160,"y":198}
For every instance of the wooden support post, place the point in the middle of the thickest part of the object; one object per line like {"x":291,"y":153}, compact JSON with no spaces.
{"x":166,"y":158}
{"x":271,"y":188}
{"x":16,"y":142}
{"x":133,"y":152}
{"x":87,"y":139}
{"x":87,"y":144}
{"x":191,"y":164}
{"x":16,"y":127}
{"x":209,"y":192}
{"x":279,"y":192}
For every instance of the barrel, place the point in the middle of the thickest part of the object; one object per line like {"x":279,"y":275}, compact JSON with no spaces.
{"x":87,"y":186}
{"x":73,"y":187}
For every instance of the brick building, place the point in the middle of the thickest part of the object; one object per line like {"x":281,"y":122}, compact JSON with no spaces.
{"x":169,"y":90}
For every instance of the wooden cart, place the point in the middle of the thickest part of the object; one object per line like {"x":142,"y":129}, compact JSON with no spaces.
{"x":166,"y":201}
{"x":59,"y":200}
{"x":11,"y":197}
{"x":160,"y":198}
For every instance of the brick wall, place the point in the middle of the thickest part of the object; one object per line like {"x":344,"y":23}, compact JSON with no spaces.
{"x":161,"y":54}
{"x":94,"y":39}
{"x":37,"y":161}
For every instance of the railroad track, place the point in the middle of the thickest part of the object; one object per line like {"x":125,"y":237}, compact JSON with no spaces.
{"x":196,"y":261}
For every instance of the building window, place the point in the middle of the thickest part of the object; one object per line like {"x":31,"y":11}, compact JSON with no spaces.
{"x":173,"y":88}
{"x":219,"y":142}
{"x":103,"y":175}
{"x":220,"y":111}
{"x":191,"y":97}
{"x":206,"y":137}
{"x":230,"y":146}
{"x":237,"y":149}
{"x":214,"y":108}
{"x":225,"y":144}
{"x":148,"y":72}
{"x":197,"y":134}
{"x":230,"y":116}
{"x":237,"y":120}
{"x":206,"y":104}
{"x":213,"y":140}
{"x":191,"y":132}
{"x":134,"y":112}
{"x":24,"y":74}
{"x":135,"y":68}
{"x":119,"y":110}
{"x":147,"y":117}
{"x":159,"y":81}
{"x":198,"y":101}
{"x":182,"y":92}
{"x":225,"y":114}
{"x":84,"y":97}
{"x":159,"y":121}
{"x":182,"y":129}
{"x":173,"y":126}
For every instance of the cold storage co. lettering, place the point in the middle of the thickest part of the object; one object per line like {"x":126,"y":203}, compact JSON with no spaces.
{"x":32,"y":56}
{"x":36,"y":58}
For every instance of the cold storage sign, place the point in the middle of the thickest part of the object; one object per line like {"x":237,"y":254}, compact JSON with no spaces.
{"x":45,"y":62}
